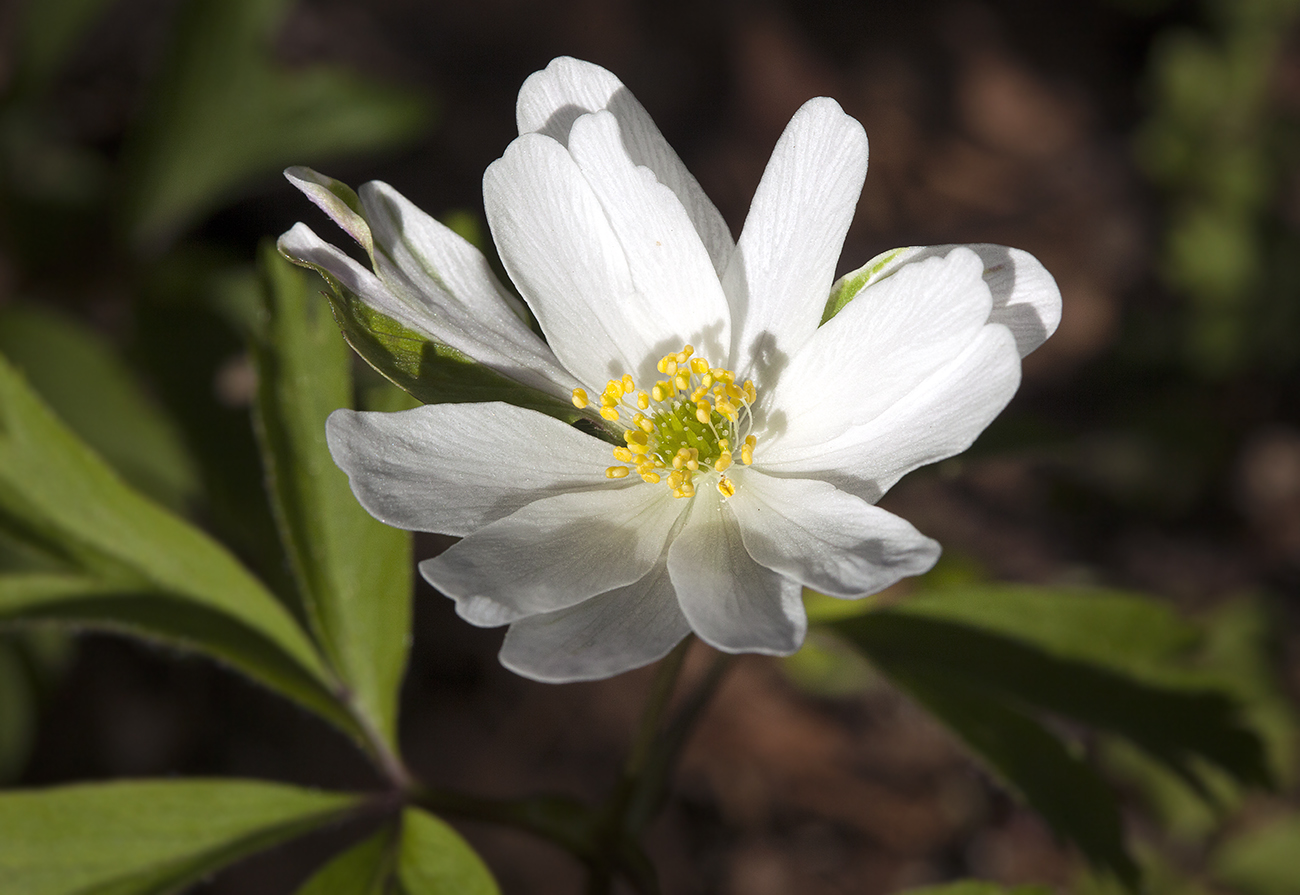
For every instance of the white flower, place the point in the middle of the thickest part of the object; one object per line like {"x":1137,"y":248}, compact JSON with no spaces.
{"x":753,"y":469}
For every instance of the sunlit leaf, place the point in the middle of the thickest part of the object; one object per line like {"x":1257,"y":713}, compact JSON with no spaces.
{"x":223,"y":114}
{"x":57,"y":496}
{"x":83,"y":601}
{"x":434,"y":859}
{"x":354,"y":573}
{"x":364,"y":869}
{"x":146,"y":838}
{"x":86,"y":383}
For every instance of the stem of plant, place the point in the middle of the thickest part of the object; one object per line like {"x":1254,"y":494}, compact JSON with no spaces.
{"x":641,"y":787}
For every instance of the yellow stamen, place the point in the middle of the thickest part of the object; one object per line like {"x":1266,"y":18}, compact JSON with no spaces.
{"x":617,"y":472}
{"x":579,"y":398}
{"x":726,"y":487}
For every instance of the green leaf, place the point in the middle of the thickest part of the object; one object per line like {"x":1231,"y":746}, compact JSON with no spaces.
{"x":1049,"y":777}
{"x":364,"y":869}
{"x":81,"y":377}
{"x":146,"y":838}
{"x":1123,"y":632}
{"x":430,"y":371}
{"x":133,"y":610}
{"x":1262,"y":861}
{"x":59,"y":498}
{"x":979,"y":887}
{"x":223,"y":114}
{"x":434,"y":859}
{"x":354,"y":574}
{"x":1175,"y":726}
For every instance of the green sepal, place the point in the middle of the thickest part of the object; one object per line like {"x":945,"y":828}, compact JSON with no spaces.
{"x":847,"y":287}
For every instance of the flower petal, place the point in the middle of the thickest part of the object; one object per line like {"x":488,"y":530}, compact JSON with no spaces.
{"x":784,"y":263}
{"x":732,"y":602}
{"x":670,"y":269}
{"x":601,"y":637}
{"x":552,"y":99}
{"x":561,"y":252}
{"x":1026,"y":298}
{"x":876,"y":350}
{"x":454,"y":468}
{"x":474,"y":320}
{"x":939,"y":418}
{"x":555,"y":553}
{"x":824,"y":538}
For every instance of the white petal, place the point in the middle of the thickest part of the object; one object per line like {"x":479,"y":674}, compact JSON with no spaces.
{"x":784,"y":263}
{"x":552,"y":99}
{"x":302,"y":245}
{"x":824,"y":538}
{"x":467,"y":323}
{"x":1026,"y":298}
{"x":885,"y":343}
{"x":438,"y":262}
{"x":555,"y":553}
{"x":561,"y":252}
{"x":732,"y":602}
{"x":938,"y":419}
{"x":336,"y":199}
{"x":601,"y":637}
{"x":454,"y":468}
{"x":670,"y":269}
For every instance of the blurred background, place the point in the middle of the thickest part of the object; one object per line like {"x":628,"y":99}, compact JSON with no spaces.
{"x":1147,"y":151}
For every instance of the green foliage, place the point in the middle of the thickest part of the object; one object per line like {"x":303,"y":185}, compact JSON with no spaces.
{"x":433,"y":859}
{"x":364,"y":869}
{"x":1262,"y":861}
{"x":222,"y":114}
{"x":990,"y":661}
{"x":353,"y":573}
{"x":147,"y":838}
{"x":83,"y":379}
{"x":128,"y":564}
{"x":978,"y":887}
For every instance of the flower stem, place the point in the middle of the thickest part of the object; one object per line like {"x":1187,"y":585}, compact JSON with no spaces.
{"x":643,"y":785}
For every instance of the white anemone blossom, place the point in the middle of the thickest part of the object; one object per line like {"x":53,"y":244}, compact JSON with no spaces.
{"x":751,"y":437}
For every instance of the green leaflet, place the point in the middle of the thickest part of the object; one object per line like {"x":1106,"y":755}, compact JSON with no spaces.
{"x":222,"y":114}
{"x":60,"y":500}
{"x":79,"y":375}
{"x":433,"y":859}
{"x":146,"y":838}
{"x":364,"y":869}
{"x":354,"y":574}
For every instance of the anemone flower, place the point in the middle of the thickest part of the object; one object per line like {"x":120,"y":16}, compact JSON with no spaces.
{"x":747,"y":411}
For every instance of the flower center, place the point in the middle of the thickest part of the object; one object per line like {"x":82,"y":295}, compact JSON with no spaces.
{"x":690,"y":424}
